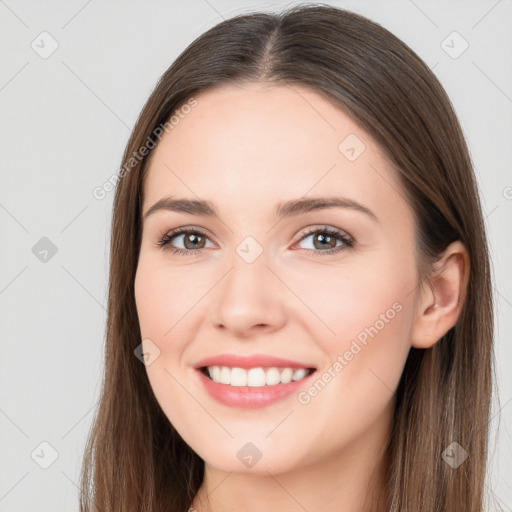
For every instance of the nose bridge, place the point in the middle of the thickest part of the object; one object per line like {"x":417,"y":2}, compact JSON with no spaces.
{"x":248,"y":295}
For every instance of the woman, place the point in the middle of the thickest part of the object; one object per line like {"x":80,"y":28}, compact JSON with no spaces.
{"x":299,"y":260}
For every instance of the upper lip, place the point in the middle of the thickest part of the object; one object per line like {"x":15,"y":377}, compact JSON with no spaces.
{"x":252,"y":361}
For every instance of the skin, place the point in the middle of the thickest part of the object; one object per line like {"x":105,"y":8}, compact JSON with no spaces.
{"x":246,"y":148}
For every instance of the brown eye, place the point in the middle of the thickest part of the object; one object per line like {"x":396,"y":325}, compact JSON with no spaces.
{"x":324,"y":241}
{"x":327,"y":241}
{"x":193,"y":240}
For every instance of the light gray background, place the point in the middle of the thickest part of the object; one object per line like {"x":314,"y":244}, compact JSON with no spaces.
{"x":64,"y":122}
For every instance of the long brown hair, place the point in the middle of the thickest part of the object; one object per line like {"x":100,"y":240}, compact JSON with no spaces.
{"x":134,"y":459}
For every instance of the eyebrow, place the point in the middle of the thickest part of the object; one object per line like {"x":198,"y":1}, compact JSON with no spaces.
{"x":284,"y":209}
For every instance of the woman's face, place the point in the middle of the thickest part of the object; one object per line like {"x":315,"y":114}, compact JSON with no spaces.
{"x":251,"y":282}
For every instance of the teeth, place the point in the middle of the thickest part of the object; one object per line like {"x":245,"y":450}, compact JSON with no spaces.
{"x":238,"y":377}
{"x":272,"y":377}
{"x":255,"y":377}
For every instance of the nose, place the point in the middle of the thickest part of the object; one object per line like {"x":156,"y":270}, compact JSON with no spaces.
{"x":249,"y":299}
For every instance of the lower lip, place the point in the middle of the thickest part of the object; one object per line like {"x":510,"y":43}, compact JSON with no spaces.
{"x":249,"y":397}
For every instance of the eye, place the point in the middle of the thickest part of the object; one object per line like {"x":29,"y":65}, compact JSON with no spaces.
{"x":328,"y":238}
{"x":194,"y":240}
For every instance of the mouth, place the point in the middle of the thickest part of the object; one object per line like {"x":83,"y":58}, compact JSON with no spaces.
{"x":252,"y":388}
{"x":252,"y":380}
{"x":255,"y":377}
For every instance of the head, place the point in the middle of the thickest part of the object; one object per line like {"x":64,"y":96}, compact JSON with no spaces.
{"x":255,"y":114}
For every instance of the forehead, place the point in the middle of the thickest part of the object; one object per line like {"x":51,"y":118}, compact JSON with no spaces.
{"x":258,"y":141}
{"x":281,"y":118}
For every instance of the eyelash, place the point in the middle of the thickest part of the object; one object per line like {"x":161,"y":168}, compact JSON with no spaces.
{"x":348,"y":242}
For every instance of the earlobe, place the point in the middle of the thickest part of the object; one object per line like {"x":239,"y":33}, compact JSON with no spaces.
{"x":441,"y":298}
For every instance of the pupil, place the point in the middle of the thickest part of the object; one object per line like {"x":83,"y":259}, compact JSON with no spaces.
{"x":190,"y":238}
{"x":327,"y":238}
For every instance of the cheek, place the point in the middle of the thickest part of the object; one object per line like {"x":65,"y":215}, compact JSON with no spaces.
{"x":165,"y":298}
{"x":345,"y":299}
{"x":162,"y":305}
{"x":367,"y":314}
{"x":364,"y":364}
{"x":169,"y":302}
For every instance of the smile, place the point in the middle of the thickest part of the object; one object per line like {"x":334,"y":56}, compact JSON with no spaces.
{"x":254,"y":377}
{"x":248,"y":388}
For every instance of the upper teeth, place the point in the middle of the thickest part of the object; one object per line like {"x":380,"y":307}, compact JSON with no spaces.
{"x":255,"y":376}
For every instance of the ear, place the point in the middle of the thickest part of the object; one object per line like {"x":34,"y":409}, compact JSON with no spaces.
{"x":441,"y":297}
